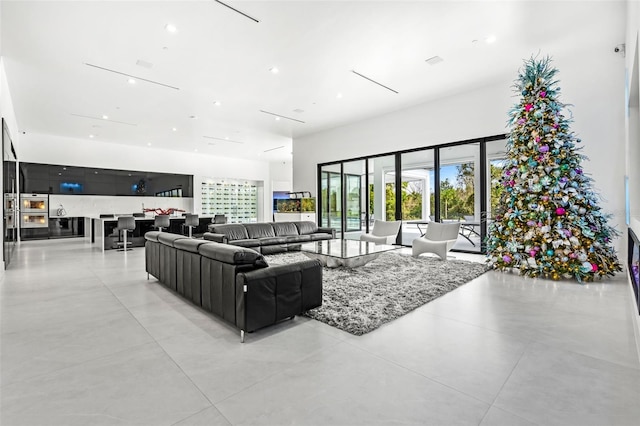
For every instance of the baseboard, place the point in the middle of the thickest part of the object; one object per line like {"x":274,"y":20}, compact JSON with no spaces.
{"x":635,"y":316}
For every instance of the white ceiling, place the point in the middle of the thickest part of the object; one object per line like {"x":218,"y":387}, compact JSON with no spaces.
{"x":217,"y":54}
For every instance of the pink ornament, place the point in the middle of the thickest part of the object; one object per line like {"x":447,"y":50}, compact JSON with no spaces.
{"x":506,"y":258}
{"x":543,"y":93}
{"x":537,"y":138}
{"x":512,"y":183}
{"x":531,"y":223}
{"x":560,"y":211}
{"x":594,"y":267}
{"x":522,"y":121}
{"x":528,"y":107}
{"x":545,"y":198}
{"x":543,"y":148}
{"x":532,"y":253}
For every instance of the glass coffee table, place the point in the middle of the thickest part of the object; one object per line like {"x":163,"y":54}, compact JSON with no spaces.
{"x":349,"y":253}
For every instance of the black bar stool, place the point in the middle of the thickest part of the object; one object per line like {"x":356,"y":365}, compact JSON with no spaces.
{"x":126,"y":224}
{"x":191,"y":221}
{"x":161,"y":221}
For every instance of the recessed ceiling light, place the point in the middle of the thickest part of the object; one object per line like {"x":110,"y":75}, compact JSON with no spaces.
{"x":96,"y":172}
{"x":490,"y":39}
{"x":195,"y":150}
{"x":148,"y":143}
{"x":64,"y":168}
{"x":277,"y":118}
{"x":174,"y":129}
{"x":226,"y":138}
{"x":59,"y":174}
{"x":105,"y":117}
{"x":131,"y":81}
{"x":91,"y":136}
{"x":171,"y":28}
{"x":274,"y":70}
{"x":129,"y":174}
{"x":217,"y":103}
{"x":434,"y":60}
{"x":339,"y":96}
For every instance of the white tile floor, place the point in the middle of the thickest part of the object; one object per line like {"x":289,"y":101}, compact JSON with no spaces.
{"x":86,"y":339}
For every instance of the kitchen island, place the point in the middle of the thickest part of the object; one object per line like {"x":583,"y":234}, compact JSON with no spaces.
{"x":104,"y":233}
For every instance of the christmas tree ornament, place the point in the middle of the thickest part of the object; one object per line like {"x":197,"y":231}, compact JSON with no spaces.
{"x":548,"y":222}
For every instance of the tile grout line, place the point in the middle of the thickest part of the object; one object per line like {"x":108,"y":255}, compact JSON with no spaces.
{"x":167,"y":354}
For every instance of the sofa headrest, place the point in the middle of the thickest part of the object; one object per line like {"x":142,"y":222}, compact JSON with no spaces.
{"x":189,"y":244}
{"x":285,"y":229}
{"x":168,"y":238}
{"x":233,"y":231}
{"x":305,"y":227}
{"x":233,"y":255}
{"x":259,"y":230}
{"x":151,"y":236}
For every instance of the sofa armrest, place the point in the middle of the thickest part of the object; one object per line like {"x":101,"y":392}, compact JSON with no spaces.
{"x":266,"y":296}
{"x":325,"y":230}
{"x":218,"y":238}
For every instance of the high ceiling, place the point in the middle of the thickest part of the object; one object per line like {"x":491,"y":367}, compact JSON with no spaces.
{"x":69,"y":64}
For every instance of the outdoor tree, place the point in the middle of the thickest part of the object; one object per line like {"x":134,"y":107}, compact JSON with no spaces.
{"x":548,"y":222}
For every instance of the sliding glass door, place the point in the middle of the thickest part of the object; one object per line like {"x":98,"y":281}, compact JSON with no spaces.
{"x":331,"y":197}
{"x":355,"y":209}
{"x":459,"y":181}
{"x":446,"y":183}
{"x":417,"y":192}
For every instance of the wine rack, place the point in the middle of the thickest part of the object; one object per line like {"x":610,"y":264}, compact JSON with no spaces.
{"x":237,"y":200}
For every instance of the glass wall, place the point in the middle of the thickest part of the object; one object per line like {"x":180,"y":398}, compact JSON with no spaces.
{"x":331,"y":197}
{"x":496,"y":157}
{"x":450,"y":182}
{"x":459,"y":200}
{"x":354,"y":181}
{"x":418,"y":193}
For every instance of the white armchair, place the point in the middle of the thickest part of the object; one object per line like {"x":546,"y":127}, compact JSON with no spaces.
{"x":383,"y":232}
{"x":439,"y":239}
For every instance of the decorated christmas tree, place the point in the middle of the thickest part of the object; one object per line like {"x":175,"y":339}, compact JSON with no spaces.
{"x":548,"y":222}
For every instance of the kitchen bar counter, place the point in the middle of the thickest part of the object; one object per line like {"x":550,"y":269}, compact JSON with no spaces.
{"x":105,"y":235}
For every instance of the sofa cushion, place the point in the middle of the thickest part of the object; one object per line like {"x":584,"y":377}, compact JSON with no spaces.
{"x":249,"y":242}
{"x":259,"y":230}
{"x":168,"y":238}
{"x":232,"y":254}
{"x":266,"y":241}
{"x":151,"y":236}
{"x":285,"y":229}
{"x":298,"y":239}
{"x":306,"y":227}
{"x":189,"y":244}
{"x":233,"y":231}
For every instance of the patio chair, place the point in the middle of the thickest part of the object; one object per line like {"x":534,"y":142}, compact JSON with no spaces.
{"x":383,"y":232}
{"x":439,"y":239}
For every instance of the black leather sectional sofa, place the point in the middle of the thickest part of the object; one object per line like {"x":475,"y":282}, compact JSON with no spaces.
{"x":233,"y":282}
{"x":269,"y":238}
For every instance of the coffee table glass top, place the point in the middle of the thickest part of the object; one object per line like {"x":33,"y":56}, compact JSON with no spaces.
{"x":345,"y":249}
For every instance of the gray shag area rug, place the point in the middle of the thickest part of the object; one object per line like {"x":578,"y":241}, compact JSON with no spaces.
{"x":359,"y":300}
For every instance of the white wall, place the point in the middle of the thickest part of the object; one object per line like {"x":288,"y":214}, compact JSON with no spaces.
{"x":598,"y":96}
{"x":281,"y":175}
{"x":633,"y":112}
{"x":49,"y":149}
{"x":6,"y":105}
